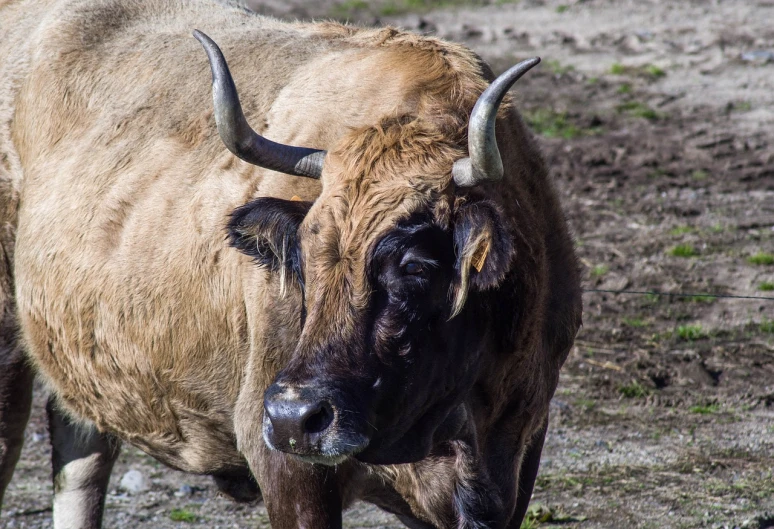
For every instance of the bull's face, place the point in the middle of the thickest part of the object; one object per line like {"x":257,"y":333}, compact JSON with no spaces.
{"x":393,"y":262}
{"x":390,"y":271}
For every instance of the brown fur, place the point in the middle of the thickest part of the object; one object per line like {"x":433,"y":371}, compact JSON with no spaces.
{"x":142,"y":320}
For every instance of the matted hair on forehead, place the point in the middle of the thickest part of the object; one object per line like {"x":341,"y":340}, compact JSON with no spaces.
{"x":403,"y":147}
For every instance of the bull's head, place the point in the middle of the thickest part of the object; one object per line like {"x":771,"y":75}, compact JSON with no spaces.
{"x":385,"y":259}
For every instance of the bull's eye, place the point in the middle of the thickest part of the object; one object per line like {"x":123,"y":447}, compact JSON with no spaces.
{"x":413,"y":269}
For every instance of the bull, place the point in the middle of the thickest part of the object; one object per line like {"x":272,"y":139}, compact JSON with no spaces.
{"x":372,"y":300}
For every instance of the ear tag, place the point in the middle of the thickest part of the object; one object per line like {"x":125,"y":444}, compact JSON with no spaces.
{"x":479,"y":257}
{"x":296,"y":198}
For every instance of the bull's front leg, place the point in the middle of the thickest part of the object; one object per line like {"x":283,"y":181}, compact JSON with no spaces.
{"x":494,"y":491}
{"x":527,"y":476}
{"x":82,"y":459}
{"x":299,"y":494}
{"x":512,"y":458}
{"x":477,"y":501}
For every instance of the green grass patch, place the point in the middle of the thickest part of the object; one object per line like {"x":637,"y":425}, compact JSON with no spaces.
{"x":598,"y":271}
{"x":761,"y":258}
{"x":552,"y":124}
{"x":681,"y":230}
{"x":683,"y":250}
{"x":182,"y":515}
{"x":638,"y":109}
{"x":649,"y":71}
{"x":557,"y":68}
{"x":766,"y":286}
{"x":654,"y":71}
{"x":739,"y":106}
{"x":538,"y":514}
{"x":702,"y":299}
{"x":348,"y":8}
{"x":689,"y":333}
{"x":398,"y":7}
{"x":562,"y":8}
{"x":699,"y":175}
{"x":393,"y":9}
{"x":635,"y":323}
{"x":528,"y":523}
{"x":652,"y":298}
{"x":624,"y":88}
{"x":617,"y":69}
{"x":766,"y":326}
{"x":635,"y":390}
{"x":586,"y":404}
{"x":705,"y":409}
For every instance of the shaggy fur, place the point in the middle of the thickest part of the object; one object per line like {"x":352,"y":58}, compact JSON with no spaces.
{"x":115,"y":194}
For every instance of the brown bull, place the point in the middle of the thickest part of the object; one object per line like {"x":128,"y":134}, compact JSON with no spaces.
{"x":380,"y":314}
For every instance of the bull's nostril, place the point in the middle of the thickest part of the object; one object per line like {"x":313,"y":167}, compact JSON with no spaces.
{"x":319,"y":419}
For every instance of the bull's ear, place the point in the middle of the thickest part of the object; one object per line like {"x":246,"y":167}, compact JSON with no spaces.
{"x":484,"y":249}
{"x":266,"y":228}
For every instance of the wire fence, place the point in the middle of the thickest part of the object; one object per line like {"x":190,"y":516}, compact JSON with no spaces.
{"x":676,"y":294}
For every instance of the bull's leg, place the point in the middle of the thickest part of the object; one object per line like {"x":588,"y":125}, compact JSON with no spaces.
{"x":15,"y":399}
{"x":82,"y":459}
{"x":528,"y":475}
{"x":299,"y":494}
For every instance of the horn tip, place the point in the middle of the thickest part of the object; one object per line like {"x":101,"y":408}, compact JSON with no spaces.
{"x":530,"y":63}
{"x":202,"y":37}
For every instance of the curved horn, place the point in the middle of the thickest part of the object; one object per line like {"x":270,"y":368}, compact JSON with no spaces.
{"x":485,"y":163}
{"x":239,"y":137}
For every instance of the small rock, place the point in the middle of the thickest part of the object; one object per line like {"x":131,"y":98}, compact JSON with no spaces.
{"x":758,"y":56}
{"x":645,"y":34}
{"x":184,"y":490}
{"x":134,"y":482}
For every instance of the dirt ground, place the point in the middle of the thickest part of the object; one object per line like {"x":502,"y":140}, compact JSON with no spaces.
{"x":656,"y":119}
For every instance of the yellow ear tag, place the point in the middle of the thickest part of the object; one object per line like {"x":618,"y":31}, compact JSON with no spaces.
{"x":296,"y":198}
{"x":479,"y":258}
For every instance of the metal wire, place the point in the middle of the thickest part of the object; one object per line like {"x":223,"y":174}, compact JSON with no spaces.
{"x":676,"y":294}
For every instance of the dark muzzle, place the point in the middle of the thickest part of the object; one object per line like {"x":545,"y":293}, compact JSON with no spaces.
{"x":305,"y":422}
